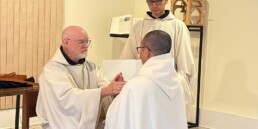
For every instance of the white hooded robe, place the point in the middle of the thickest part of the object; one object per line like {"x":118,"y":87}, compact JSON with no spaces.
{"x":180,"y":50}
{"x":152,"y":100}
{"x":69,"y":95}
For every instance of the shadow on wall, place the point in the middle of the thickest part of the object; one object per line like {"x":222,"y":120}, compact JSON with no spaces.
{"x":204,"y":52}
{"x":233,"y":94}
{"x":118,"y":46}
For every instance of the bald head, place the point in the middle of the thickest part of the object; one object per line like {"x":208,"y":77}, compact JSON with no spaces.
{"x":73,"y":32}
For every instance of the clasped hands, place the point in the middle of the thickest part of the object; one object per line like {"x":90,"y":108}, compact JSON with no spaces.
{"x":115,"y":87}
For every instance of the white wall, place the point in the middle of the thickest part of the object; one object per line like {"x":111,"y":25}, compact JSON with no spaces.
{"x":95,"y":17}
{"x":230,"y":83}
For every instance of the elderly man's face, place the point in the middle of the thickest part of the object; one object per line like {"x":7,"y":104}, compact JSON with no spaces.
{"x":78,"y":44}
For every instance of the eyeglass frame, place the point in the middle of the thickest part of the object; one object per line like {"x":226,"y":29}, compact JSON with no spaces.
{"x":137,"y":48}
{"x":82,"y":42}
{"x":151,"y":2}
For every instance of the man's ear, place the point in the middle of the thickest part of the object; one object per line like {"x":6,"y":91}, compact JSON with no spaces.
{"x":148,"y":53}
{"x":65,"y":42}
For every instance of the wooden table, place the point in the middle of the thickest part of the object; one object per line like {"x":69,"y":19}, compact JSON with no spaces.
{"x":29,"y":102}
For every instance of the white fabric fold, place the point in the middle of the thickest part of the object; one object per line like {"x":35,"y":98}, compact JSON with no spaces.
{"x":152,"y":100}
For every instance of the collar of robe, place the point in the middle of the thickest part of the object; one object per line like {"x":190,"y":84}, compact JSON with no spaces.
{"x":81,"y":61}
{"x":161,"y":17}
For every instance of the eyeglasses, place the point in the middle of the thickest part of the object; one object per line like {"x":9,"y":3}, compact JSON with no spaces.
{"x":151,"y":2}
{"x":138,"y":48}
{"x":82,"y":42}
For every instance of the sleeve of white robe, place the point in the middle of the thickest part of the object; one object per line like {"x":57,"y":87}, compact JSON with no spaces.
{"x":129,"y":51}
{"x":185,"y":62}
{"x":65,"y":105}
{"x":102,"y":82}
{"x":120,"y":113}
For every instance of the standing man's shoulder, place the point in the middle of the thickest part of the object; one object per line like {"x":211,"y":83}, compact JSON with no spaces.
{"x":180,"y":23}
{"x":175,"y":19}
{"x":138,"y":24}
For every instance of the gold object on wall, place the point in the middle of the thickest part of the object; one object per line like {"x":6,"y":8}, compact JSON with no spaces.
{"x":192,"y":11}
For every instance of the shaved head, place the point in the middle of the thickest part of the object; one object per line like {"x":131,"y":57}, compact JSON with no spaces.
{"x":72,"y":31}
{"x":154,"y":43}
{"x":158,"y":41}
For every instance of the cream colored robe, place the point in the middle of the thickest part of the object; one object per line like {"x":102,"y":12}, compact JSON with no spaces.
{"x":69,"y":95}
{"x":181,"y":49}
{"x":152,"y":100}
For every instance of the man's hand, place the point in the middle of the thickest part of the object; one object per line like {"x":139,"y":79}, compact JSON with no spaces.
{"x":119,"y":77}
{"x":115,"y":87}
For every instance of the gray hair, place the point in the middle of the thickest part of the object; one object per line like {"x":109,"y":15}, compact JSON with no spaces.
{"x":158,"y":41}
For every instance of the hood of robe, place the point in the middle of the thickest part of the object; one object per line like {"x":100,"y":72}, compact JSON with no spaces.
{"x":170,"y":16}
{"x":58,"y":57}
{"x":160,"y":69}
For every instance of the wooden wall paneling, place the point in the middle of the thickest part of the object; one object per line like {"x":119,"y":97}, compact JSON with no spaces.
{"x":16,"y":39}
{"x":10,"y":46}
{"x":3,"y":40}
{"x":59,"y":18}
{"x":13,"y":101}
{"x":2,"y":104}
{"x":35,"y":38}
{"x":23,"y":35}
{"x":47,"y":30}
{"x":0,"y":55}
{"x":10,"y":40}
{"x":22,"y":43}
{"x":52,"y":28}
{"x":0,"y":41}
{"x":8,"y":102}
{"x":41,"y":35}
{"x":16,"y":35}
{"x":29,"y":44}
{"x":30,"y":33}
{"x":3,"y":35}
